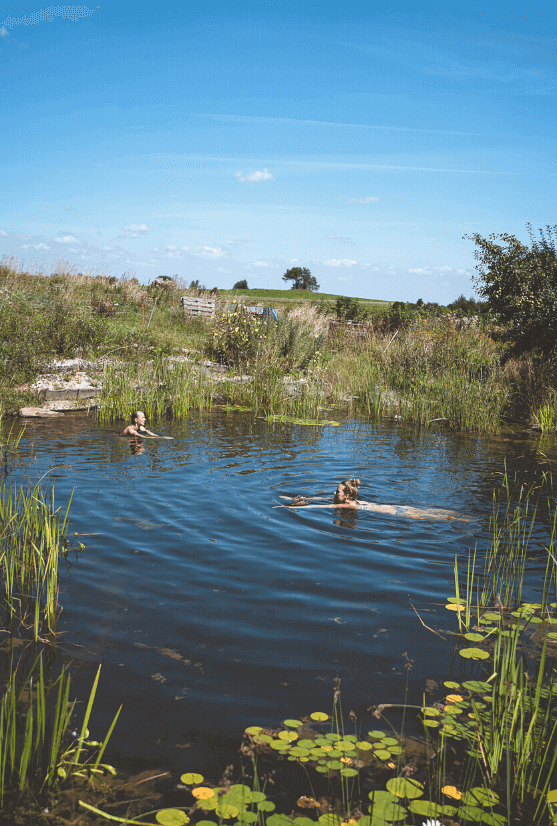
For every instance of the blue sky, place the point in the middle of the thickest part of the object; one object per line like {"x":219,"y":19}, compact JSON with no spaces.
{"x":228,"y":141}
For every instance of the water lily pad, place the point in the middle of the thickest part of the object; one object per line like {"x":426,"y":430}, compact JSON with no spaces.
{"x":396,"y":749}
{"x":257,"y":797}
{"x":227,"y":810}
{"x":240,"y":788}
{"x":254,"y":729}
{"x":473,"y":637}
{"x":348,"y":772}
{"x":552,"y":635}
{"x":203,"y":793}
{"x":266,"y":806}
{"x":278,"y":820}
{"x":491,"y":616}
{"x":334,"y":765}
{"x":382,"y":754}
{"x":376,"y":733}
{"x":172,"y":817}
{"x":405,"y":787}
{"x":492,"y":819}
{"x":305,"y":743}
{"x":288,"y":735}
{"x":332,"y":736}
{"x":297,"y":751}
{"x":479,"y":796}
{"x":429,"y":809}
{"x":476,"y":685}
{"x":245,"y":817}
{"x":452,"y":791}
{"x":454,"y":698}
{"x":451,"y":684}
{"x":263,"y":738}
{"x":430,"y":712}
{"x":292,"y":723}
{"x":552,"y":796}
{"x":363,"y":745}
{"x":386,"y":805}
{"x":389,"y":741}
{"x":321,"y":769}
{"x":452,"y":607}
{"x":192,"y":777}
{"x":320,"y":716}
{"x":350,"y":738}
{"x":474,"y":653}
{"x":304,"y":821}
{"x":280,"y":745}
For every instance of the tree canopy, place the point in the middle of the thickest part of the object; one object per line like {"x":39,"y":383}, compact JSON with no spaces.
{"x":302,"y":278}
{"x":519,"y":283}
{"x":241,"y":285}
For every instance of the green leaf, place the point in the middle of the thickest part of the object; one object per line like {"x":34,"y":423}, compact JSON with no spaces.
{"x":479,"y":796}
{"x":227,"y":810}
{"x":266,"y":806}
{"x":245,"y":817}
{"x":278,"y":820}
{"x":474,"y":637}
{"x":476,"y":685}
{"x":382,"y":754}
{"x":474,"y":653}
{"x":451,"y":684}
{"x":429,"y":809}
{"x":172,"y":817}
{"x":254,"y":729}
{"x":192,"y":778}
{"x":257,"y":797}
{"x":304,"y":821}
{"x":320,"y":716}
{"x":386,"y":805}
{"x":363,"y":745}
{"x":492,"y":616}
{"x":405,"y":787}
{"x":292,"y":723}
{"x":552,"y":796}
{"x":389,"y":741}
{"x":348,"y":772}
{"x":376,"y":733}
{"x":493,"y":819}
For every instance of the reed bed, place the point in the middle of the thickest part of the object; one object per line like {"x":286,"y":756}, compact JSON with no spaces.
{"x":32,"y":539}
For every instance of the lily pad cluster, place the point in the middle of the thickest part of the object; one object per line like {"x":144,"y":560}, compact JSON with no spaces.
{"x":529,"y":615}
{"x":345,"y":753}
{"x":238,"y":802}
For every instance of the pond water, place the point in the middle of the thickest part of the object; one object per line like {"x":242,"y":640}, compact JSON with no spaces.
{"x":212,"y":607}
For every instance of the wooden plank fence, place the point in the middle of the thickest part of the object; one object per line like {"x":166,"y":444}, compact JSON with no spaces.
{"x":198,"y":306}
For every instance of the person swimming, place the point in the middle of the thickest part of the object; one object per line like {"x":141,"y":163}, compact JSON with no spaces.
{"x":137,"y":427}
{"x":346,"y":496}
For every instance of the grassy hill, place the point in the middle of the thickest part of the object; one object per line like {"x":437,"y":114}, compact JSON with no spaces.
{"x":279,"y":296}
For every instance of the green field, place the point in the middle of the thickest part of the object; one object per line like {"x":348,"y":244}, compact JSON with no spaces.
{"x":298,"y":295}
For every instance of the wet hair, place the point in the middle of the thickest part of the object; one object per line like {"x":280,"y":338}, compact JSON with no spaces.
{"x":135,"y":415}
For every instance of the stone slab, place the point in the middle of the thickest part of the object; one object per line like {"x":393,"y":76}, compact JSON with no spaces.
{"x":70,"y":394}
{"x":38,"y":413}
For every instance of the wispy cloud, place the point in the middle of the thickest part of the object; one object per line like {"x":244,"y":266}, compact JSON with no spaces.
{"x":41,"y":246}
{"x":3,"y":232}
{"x":48,"y":15}
{"x":67,"y":239}
{"x":135,"y":231}
{"x":367,"y":200}
{"x":260,"y":264}
{"x":339,"y":262}
{"x":339,"y":239}
{"x":255,"y":177}
{"x":3,"y":31}
{"x":211,"y":252}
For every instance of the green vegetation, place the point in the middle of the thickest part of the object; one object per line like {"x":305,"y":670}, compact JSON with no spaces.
{"x":520,"y":286}
{"x":301,"y":278}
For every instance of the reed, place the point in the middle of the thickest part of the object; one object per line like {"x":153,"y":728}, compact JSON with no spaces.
{"x":37,"y":750}
{"x":32,"y":539}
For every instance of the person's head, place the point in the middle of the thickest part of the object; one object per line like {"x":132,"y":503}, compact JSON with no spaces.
{"x":138,"y":418}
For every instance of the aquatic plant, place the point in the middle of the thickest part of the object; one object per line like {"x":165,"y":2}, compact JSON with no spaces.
{"x":37,"y":750}
{"x":32,"y":539}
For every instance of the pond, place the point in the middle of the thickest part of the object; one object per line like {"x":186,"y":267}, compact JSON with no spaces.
{"x":213,"y":607}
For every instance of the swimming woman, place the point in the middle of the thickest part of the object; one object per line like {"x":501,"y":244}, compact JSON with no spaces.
{"x":137,"y":427}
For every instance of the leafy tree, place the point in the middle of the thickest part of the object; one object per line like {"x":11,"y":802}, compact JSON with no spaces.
{"x":468,"y":306}
{"x":241,"y":285}
{"x":519,"y":283}
{"x":302,"y":278}
{"x":349,"y":309}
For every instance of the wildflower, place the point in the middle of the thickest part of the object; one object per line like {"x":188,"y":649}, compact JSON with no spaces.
{"x":432,"y":823}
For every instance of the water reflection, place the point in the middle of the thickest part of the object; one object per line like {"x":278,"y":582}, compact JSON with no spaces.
{"x":261,"y":605}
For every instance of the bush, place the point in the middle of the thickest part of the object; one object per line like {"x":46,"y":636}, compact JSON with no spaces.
{"x":235,"y":336}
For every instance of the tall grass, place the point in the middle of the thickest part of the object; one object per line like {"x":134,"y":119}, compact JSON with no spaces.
{"x":32,"y":538}
{"x":36,"y":747}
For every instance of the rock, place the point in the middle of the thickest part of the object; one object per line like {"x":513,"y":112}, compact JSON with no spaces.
{"x":38,"y":413}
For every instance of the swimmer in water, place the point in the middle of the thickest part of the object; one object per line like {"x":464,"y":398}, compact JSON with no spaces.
{"x":137,"y":427}
{"x":346,"y":496}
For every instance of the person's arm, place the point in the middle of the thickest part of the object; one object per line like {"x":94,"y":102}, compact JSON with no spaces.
{"x":147,"y":433}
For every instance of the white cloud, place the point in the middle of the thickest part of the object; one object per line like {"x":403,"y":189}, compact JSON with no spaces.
{"x":185,"y":248}
{"x":339,"y":262}
{"x":212,"y":252}
{"x":260,"y":264}
{"x":135,"y":231}
{"x":68,"y":207}
{"x":25,"y":246}
{"x":2,"y":232}
{"x":255,"y":177}
{"x":420,"y":269}
{"x":3,"y":31}
{"x":41,"y":246}
{"x":67,"y":239}
{"x":171,"y":247}
{"x":72,"y":12}
{"x":340,"y":239}
{"x":368,"y":200}
{"x":172,"y":255}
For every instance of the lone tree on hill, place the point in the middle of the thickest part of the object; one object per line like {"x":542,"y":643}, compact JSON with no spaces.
{"x":241,"y":285}
{"x":519,"y":284}
{"x":302,"y":278}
